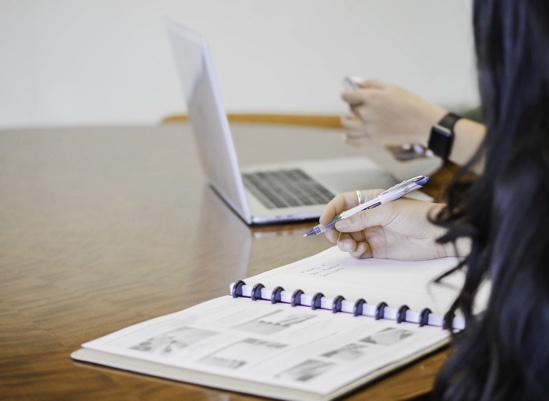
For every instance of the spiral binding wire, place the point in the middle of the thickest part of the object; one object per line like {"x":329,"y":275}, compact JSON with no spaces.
{"x":358,"y":307}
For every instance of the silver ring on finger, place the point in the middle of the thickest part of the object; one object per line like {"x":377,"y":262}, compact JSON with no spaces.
{"x":359,"y":196}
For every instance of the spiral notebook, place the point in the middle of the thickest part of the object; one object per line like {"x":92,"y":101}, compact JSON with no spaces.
{"x":311,"y":330}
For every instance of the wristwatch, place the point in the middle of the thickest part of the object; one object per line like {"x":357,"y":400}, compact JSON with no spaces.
{"x":442,"y":136}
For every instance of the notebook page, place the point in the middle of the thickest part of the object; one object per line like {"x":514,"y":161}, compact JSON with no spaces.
{"x":270,"y":350}
{"x":395,"y":282}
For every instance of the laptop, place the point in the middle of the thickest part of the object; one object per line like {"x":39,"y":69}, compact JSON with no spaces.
{"x":262,"y":194}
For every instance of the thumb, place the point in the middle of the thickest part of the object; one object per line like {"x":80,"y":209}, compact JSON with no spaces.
{"x":354,"y":98}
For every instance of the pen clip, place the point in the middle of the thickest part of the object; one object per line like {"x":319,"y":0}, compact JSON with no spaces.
{"x":403,"y":188}
{"x":419,"y":181}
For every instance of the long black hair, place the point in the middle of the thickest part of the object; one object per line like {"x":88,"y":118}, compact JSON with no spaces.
{"x":503,"y":354}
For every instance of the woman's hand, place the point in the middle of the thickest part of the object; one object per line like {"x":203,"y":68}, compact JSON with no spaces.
{"x":383,"y":112}
{"x":395,"y":230}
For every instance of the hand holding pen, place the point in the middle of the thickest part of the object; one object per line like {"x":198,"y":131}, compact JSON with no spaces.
{"x":389,"y":195}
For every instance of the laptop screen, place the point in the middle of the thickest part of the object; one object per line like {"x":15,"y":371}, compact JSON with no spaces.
{"x":207,"y":116}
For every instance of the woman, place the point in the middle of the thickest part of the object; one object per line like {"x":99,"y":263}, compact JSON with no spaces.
{"x":499,"y":223}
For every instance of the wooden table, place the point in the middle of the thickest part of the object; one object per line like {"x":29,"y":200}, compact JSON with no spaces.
{"x":101,"y":228}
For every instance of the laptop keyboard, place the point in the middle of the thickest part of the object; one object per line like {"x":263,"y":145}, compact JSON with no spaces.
{"x":286,"y":188}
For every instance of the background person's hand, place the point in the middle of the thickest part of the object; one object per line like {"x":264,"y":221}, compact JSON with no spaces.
{"x":388,"y":114}
{"x":395,"y":230}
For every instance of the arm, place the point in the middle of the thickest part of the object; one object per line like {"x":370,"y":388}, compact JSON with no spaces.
{"x":468,"y":136}
{"x":389,"y":114}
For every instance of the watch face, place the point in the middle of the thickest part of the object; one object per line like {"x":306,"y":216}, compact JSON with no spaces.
{"x":442,"y":136}
{"x":441,"y":141}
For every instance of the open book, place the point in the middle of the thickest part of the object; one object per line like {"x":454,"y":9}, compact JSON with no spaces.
{"x":311,"y":330}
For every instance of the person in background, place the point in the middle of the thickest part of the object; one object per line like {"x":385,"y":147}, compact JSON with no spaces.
{"x":386,"y":113}
{"x":498,"y":223}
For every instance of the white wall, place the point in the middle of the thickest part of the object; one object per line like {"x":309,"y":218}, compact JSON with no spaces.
{"x":70,"y":62}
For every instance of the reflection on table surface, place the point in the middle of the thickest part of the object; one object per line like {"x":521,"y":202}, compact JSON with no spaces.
{"x":106,"y":227}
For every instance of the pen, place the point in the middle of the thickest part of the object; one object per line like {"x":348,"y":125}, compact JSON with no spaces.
{"x":389,"y":195}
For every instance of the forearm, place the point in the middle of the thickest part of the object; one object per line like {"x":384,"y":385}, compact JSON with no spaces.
{"x":468,"y":135}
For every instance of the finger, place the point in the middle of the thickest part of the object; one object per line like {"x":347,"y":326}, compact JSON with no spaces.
{"x":369,"y":194}
{"x":357,"y":140}
{"x":345,"y":201}
{"x":346,"y":243}
{"x":380,"y":216}
{"x":338,"y":204}
{"x":332,"y":235}
{"x":363,"y":250}
{"x":354,"y":98}
{"x":351,"y":123}
{"x":360,"y":111}
{"x":356,"y":131}
{"x":334,"y":207}
{"x":372,"y":84}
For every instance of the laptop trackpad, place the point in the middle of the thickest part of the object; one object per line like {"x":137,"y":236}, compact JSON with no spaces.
{"x":361,"y":179}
